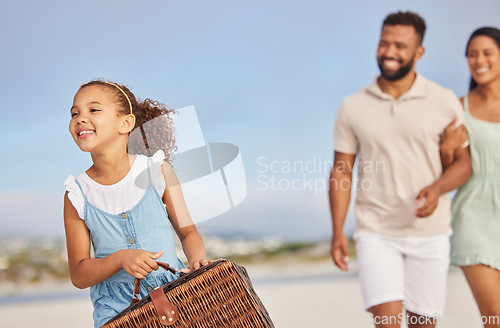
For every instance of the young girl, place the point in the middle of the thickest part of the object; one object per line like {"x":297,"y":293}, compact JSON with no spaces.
{"x":125,"y":205}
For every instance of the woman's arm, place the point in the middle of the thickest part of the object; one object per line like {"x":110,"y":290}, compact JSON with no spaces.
{"x":86,"y":271}
{"x":452,"y":141}
{"x":179,"y":216}
{"x":454,"y":176}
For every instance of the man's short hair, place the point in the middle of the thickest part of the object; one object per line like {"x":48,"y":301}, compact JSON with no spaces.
{"x":407,"y":18}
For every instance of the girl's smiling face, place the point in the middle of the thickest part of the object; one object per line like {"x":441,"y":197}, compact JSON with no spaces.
{"x":95,"y":121}
{"x":483,"y":56}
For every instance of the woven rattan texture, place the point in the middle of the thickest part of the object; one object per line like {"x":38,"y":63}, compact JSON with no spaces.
{"x":219,"y":295}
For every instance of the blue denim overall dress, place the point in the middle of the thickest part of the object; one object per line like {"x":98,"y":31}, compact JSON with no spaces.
{"x":145,"y":226}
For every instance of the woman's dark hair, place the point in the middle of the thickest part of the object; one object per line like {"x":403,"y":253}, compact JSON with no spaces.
{"x":154,"y":127}
{"x":493,"y":33}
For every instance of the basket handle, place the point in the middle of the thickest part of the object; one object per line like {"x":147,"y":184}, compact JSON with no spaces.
{"x":137,"y":281}
{"x":167,"y":312}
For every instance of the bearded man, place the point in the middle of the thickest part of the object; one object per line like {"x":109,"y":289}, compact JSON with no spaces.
{"x":402,"y":209}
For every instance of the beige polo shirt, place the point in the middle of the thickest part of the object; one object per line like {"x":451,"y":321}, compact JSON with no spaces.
{"x":397,"y":141}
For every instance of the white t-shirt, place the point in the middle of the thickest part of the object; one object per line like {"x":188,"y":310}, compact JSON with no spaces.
{"x":123,"y":195}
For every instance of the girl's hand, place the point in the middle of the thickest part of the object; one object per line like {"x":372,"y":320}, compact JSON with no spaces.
{"x":195,"y":264}
{"x":137,"y":262}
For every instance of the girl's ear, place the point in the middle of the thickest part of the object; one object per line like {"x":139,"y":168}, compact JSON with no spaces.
{"x":128,"y":124}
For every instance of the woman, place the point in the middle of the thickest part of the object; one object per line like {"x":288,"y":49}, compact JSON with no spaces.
{"x":476,"y":206}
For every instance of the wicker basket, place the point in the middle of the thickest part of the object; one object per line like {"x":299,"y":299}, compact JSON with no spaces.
{"x":218,"y":295}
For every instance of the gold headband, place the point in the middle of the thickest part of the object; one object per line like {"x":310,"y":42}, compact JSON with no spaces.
{"x":118,"y":87}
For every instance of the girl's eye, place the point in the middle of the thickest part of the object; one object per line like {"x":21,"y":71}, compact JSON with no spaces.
{"x":94,"y":110}
{"x":74,"y":114}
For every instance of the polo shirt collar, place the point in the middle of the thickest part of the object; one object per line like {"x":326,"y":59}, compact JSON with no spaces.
{"x":417,"y":90}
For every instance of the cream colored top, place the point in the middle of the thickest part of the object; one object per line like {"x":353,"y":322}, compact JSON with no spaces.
{"x":397,"y":141}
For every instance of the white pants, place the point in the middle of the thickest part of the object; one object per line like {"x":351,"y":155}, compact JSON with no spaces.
{"x":409,"y":269}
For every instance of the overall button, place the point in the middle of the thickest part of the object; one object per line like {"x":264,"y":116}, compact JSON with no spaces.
{"x":132,"y":240}
{"x":150,"y":288}
{"x":124,"y":215}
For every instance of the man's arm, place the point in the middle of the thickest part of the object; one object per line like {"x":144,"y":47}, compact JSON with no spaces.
{"x":455,"y":175}
{"x":340,"y":196}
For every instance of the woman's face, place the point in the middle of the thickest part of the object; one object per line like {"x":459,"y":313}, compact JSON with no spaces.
{"x":483,"y":56}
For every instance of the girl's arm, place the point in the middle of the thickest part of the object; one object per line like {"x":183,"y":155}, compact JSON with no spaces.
{"x":86,"y":271}
{"x":179,"y":216}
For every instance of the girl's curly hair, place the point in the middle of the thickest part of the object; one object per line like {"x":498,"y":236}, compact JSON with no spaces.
{"x":154,"y":127}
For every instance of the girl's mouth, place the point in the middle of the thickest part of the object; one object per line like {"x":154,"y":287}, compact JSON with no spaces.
{"x":85,"y":133}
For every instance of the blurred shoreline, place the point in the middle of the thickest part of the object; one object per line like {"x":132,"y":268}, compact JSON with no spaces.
{"x":25,"y":261}
{"x":37,"y":270}
{"x":296,"y":294}
{"x":296,"y":281}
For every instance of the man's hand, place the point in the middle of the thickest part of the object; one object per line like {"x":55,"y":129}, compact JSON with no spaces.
{"x":429,"y":196}
{"x":339,"y":251}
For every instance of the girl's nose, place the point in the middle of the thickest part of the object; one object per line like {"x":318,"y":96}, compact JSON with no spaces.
{"x":81,"y":119}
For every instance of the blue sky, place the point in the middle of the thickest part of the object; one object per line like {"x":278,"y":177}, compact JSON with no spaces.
{"x":266,"y":76}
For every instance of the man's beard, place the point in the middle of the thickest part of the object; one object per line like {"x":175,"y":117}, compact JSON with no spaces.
{"x":399,"y":74}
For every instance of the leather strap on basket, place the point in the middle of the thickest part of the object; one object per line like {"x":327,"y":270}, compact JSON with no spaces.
{"x":168,"y":268}
{"x":167,"y":312}
{"x":136,"y":296}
